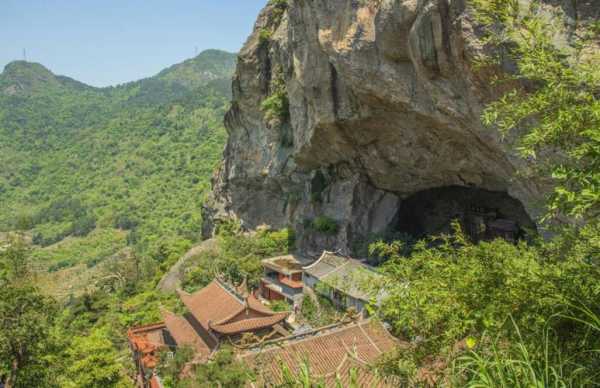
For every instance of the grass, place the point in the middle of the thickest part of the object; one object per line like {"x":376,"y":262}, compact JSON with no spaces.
{"x":505,"y":365}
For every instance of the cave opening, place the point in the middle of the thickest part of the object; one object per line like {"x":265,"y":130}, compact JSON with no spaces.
{"x":484,"y":215}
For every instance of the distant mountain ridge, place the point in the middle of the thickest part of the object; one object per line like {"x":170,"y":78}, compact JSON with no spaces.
{"x":136,"y":157}
{"x":22,"y":76}
{"x":207,"y":66}
{"x":210,"y":66}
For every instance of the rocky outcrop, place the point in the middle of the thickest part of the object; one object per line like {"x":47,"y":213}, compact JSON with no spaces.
{"x":173,"y":279}
{"x":345,"y":108}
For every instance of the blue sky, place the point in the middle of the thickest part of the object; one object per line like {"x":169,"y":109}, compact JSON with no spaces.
{"x":107,"y":42}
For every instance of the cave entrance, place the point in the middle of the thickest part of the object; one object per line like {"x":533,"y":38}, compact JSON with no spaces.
{"x":484,"y":215}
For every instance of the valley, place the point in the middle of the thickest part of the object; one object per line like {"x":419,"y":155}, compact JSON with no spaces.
{"x":89,"y":173}
{"x":370,"y":193}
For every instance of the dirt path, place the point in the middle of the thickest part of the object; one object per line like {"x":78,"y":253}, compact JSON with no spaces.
{"x":172,"y":279}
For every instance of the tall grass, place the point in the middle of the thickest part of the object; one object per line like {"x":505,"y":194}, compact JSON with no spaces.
{"x":304,"y":378}
{"x":514,"y":365}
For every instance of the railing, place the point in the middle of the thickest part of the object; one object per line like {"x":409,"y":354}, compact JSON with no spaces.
{"x":280,"y":287}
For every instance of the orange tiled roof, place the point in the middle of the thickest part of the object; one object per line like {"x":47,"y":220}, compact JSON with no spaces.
{"x":218,"y":309}
{"x":330,"y":354}
{"x":256,"y":305}
{"x":291,"y":283}
{"x":213,"y":303}
{"x":249,"y":324}
{"x":147,"y":340}
{"x":184,"y":334}
{"x":154,"y":383}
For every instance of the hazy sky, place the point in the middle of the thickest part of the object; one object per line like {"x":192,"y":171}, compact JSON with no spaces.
{"x":106,"y":42}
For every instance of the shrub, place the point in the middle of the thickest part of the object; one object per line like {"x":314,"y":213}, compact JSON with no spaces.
{"x":83,"y":225}
{"x":324,"y":224}
{"x":279,"y":305}
{"x":238,"y":256}
{"x":440,"y":295}
{"x":224,"y":370}
{"x":264,"y":37}
{"x":276,"y":107}
{"x":171,"y":365}
{"x":319,"y":311}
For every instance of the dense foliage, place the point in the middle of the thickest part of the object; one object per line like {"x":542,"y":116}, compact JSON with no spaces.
{"x":455,"y":291}
{"x":109,"y":182}
{"x":78,"y":342}
{"x":26,"y":319}
{"x":496,"y":314}
{"x":136,"y":157}
{"x":222,"y":371}
{"x":237,"y":256}
{"x":107,"y":185}
{"x":551,"y":101}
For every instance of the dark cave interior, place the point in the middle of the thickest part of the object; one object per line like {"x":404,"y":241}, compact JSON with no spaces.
{"x":484,"y":215}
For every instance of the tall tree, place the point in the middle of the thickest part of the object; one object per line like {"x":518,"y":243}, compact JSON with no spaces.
{"x":25,"y":321}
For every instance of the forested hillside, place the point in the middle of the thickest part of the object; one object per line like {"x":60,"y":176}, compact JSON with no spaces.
{"x":88,"y":171}
{"x":402,"y":133}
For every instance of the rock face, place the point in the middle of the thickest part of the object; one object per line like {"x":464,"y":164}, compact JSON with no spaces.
{"x":383,"y":104}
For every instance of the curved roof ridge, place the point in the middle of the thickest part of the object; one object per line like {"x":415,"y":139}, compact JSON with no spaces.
{"x":319,"y":259}
{"x":250,"y":303}
{"x":256,"y":305}
{"x":249,"y":324}
{"x":276,"y":345}
{"x":228,"y":290}
{"x":213,"y":302}
{"x":228,"y":318}
{"x":362,"y":329}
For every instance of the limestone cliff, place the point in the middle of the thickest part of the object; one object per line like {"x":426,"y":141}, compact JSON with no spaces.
{"x":364,"y":111}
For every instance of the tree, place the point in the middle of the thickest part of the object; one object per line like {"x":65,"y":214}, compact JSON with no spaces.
{"x":170,"y":367}
{"x":26,"y":319}
{"x":223,"y":371}
{"x":551,"y":103}
{"x":92,"y":361}
{"x":445,"y":294}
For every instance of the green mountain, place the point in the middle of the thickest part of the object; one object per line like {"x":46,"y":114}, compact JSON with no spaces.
{"x":210,"y":65}
{"x":106,"y":168}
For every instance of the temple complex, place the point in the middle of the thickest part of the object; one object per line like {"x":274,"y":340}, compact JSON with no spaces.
{"x":216,"y":313}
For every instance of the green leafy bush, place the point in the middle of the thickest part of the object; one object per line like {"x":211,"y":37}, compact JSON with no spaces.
{"x":264,"y":37}
{"x":515,"y":364}
{"x":440,"y":295}
{"x":279,"y":305}
{"x":224,"y":370}
{"x":556,"y":117}
{"x":172,"y":363}
{"x":319,"y":311}
{"x":238,"y":256}
{"x":324,"y":224}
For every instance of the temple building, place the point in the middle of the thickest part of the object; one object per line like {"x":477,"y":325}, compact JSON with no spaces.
{"x":215,"y":313}
{"x":347,"y":282}
{"x":145,"y":343}
{"x":282,"y":278}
